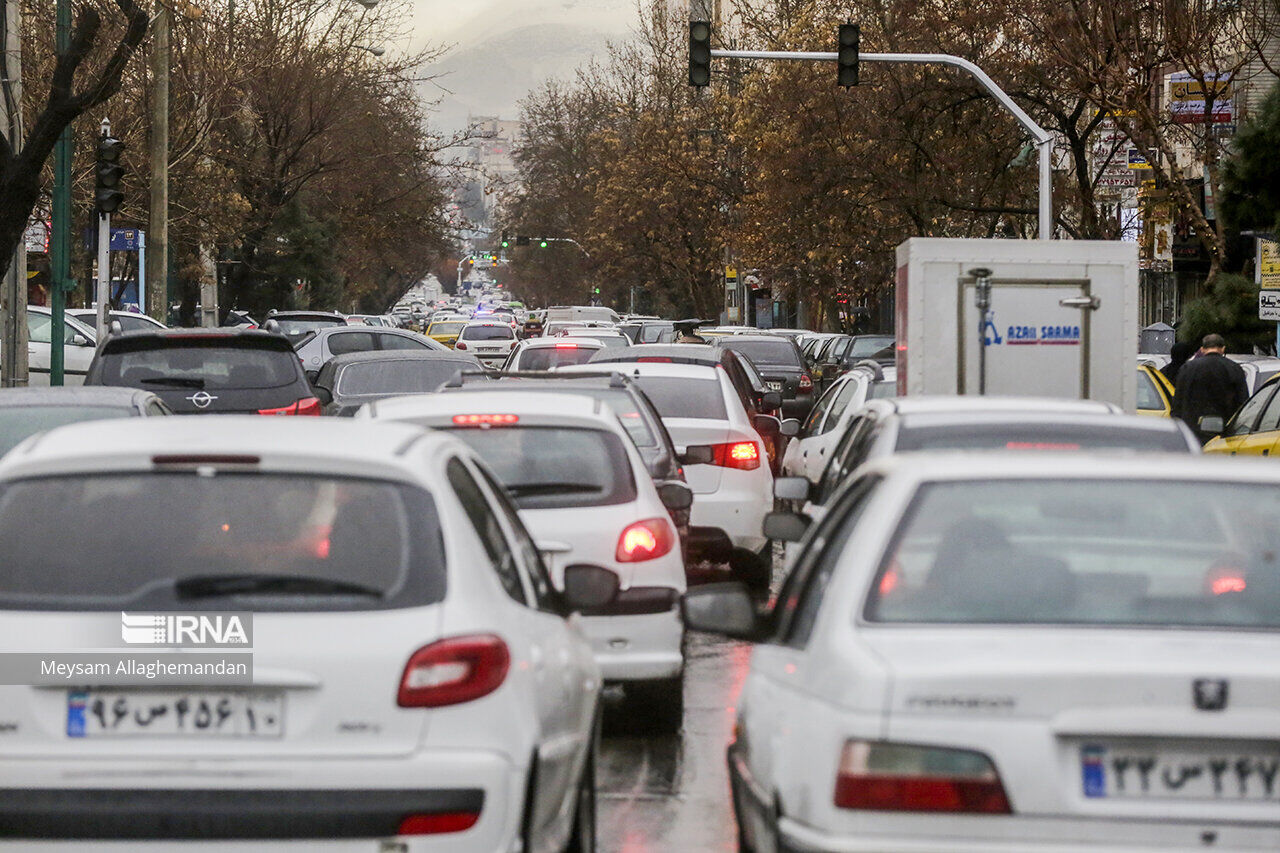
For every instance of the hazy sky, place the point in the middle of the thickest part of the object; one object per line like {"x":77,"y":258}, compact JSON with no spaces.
{"x":469,"y":21}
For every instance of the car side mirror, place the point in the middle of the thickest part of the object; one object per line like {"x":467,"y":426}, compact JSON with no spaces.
{"x":791,"y":488}
{"x":1212,"y":424}
{"x":723,"y":608}
{"x":770,"y":400}
{"x":312,"y":375}
{"x":767,"y":425}
{"x":587,"y":587}
{"x":786,"y":526}
{"x":324,"y":395}
{"x":675,"y":496}
{"x":790,"y":427}
{"x":79,"y":340}
{"x":698,"y":454}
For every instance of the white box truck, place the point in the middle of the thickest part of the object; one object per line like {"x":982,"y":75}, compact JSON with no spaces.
{"x":1042,"y":318}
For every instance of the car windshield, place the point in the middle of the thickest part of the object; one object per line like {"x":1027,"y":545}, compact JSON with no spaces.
{"x":369,"y":378}
{"x":779,"y":353}
{"x":556,"y":467}
{"x":1091,"y":552}
{"x":868,"y":346}
{"x":199,"y":365}
{"x":20,"y":422}
{"x":679,"y":397}
{"x":296,"y":327}
{"x":286,"y":541}
{"x":1036,"y":435}
{"x":545,"y":358}
{"x":487,"y":333}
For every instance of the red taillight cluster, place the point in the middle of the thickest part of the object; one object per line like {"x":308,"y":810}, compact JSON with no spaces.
{"x":645,"y":540}
{"x":452,"y":671}
{"x":437,"y":824}
{"x":806,"y":382}
{"x":743,"y":455}
{"x":895,"y":777}
{"x":654,"y":359}
{"x":459,"y":345}
{"x":305,"y":406}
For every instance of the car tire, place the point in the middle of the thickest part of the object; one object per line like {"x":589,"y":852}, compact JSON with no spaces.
{"x":583,"y":839}
{"x":661,"y":701}
{"x":751,"y":568}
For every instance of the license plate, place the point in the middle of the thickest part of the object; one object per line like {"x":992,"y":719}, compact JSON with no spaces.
{"x":1137,"y":773}
{"x":773,"y":386}
{"x":197,"y":713}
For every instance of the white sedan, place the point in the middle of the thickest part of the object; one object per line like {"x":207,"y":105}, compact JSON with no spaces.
{"x":491,"y":341}
{"x":1019,"y":653}
{"x":808,"y":452}
{"x":416,"y":683}
{"x":79,"y":342}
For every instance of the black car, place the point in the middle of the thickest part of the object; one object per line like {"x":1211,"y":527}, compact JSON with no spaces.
{"x":348,"y":381}
{"x":27,"y":411}
{"x":844,"y":351}
{"x":208,"y":371}
{"x":779,"y":361}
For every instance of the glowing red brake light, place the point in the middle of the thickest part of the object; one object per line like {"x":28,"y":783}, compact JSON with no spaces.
{"x":305,"y":406}
{"x":482,"y":420}
{"x":566,"y":346}
{"x":437,"y":824}
{"x":459,"y":345}
{"x":644,"y":540}
{"x":743,"y":455}
{"x":806,"y":382}
{"x":879,"y":776}
{"x":656,"y":359}
{"x":452,"y":671}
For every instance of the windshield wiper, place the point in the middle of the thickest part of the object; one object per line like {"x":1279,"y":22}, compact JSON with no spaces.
{"x":175,"y":381}
{"x":212,"y":586}
{"x":551,"y":488}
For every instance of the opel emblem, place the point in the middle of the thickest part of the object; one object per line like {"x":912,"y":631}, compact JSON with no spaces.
{"x":201,"y":399}
{"x":1210,"y":694}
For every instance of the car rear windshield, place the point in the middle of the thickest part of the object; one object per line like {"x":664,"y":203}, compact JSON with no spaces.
{"x":20,"y":422}
{"x":295,"y":327}
{"x":545,"y":358}
{"x":445,"y":328}
{"x":678,"y":397}
{"x":779,"y":353}
{"x":398,"y":377}
{"x":553,"y":467}
{"x":610,"y":340}
{"x":488,"y":333}
{"x":1090,"y":552}
{"x":652,"y":333}
{"x":220,"y":541}
{"x":200,"y":365}
{"x":1035,"y":435}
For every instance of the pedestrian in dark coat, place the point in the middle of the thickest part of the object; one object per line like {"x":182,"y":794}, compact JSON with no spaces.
{"x":1209,"y":385}
{"x":1179,"y":354}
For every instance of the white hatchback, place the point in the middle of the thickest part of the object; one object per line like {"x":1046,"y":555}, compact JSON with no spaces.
{"x":548,"y":353}
{"x":1030,"y":653}
{"x":808,"y":452}
{"x":583,"y":489}
{"x":416,"y":683}
{"x":491,"y":341}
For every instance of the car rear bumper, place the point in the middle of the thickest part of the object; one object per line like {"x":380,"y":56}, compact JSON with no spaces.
{"x":234,"y":801}
{"x":737,"y":511}
{"x":643,"y":647}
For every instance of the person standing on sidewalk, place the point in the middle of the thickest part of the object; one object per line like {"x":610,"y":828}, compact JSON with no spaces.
{"x":1208,"y":385}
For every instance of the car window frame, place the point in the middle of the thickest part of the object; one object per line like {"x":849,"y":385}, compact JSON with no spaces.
{"x":456,"y":463}
{"x":1233,"y":426}
{"x":537,"y":579}
{"x":1271,"y":405}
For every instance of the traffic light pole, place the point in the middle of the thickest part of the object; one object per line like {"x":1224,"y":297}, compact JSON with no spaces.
{"x":60,"y":239}
{"x":1043,"y":139}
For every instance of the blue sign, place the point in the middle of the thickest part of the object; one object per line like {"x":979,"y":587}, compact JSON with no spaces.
{"x":122,"y":239}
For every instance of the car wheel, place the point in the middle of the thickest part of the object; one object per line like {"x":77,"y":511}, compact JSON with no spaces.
{"x":583,"y":839}
{"x":751,"y":568}
{"x":660,"y":703}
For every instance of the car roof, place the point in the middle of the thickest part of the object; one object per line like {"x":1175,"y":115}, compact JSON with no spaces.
{"x":1104,"y":420}
{"x":696,"y":353}
{"x":307,"y":315}
{"x":238,"y":333}
{"x":644,"y":368}
{"x":475,"y":322}
{"x":726,"y":340}
{"x":926,"y":465}
{"x":333,"y":445}
{"x":972,"y":403}
{"x":404,"y":355}
{"x":549,"y":408}
{"x":82,"y":395}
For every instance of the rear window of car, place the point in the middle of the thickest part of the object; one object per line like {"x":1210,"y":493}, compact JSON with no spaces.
{"x":545,"y":358}
{"x":610,"y":341}
{"x":21,"y":422}
{"x":198,"y":365}
{"x":397,"y":377}
{"x":555,"y":467}
{"x":1086,"y":552}
{"x":779,"y":353}
{"x":653,"y":333}
{"x":296,"y":327}
{"x":220,"y":541}
{"x":678,"y":397}
{"x":445,"y":328}
{"x":487,"y":333}
{"x":1006,"y":435}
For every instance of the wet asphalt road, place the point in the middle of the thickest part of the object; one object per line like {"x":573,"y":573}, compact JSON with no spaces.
{"x":671,"y":793}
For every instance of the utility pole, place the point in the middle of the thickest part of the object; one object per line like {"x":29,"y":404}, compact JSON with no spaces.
{"x":158,"y":219}
{"x":13,"y":302}
{"x":60,"y":239}
{"x":104,"y":207}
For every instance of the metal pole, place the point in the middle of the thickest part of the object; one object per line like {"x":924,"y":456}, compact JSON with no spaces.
{"x":104,"y":275}
{"x":157,"y":299}
{"x":982,"y":300}
{"x":60,"y":239}
{"x":1042,"y":137}
{"x":13,"y":361}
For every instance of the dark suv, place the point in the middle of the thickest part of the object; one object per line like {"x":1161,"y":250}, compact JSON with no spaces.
{"x":781,"y":364}
{"x":208,"y":371}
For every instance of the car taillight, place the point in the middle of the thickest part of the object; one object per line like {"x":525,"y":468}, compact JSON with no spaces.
{"x":485,"y":420}
{"x":654,"y":359}
{"x":566,"y":346}
{"x":305,"y":406}
{"x":806,"y":382}
{"x":645,"y":540}
{"x":744,"y":455}
{"x":459,"y":345}
{"x":452,"y":671}
{"x":437,"y":824}
{"x":895,"y":777}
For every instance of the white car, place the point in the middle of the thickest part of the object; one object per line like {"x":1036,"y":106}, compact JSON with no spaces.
{"x":733,"y":489}
{"x":584,"y":491}
{"x":130,"y":321}
{"x":807,"y":453}
{"x":79,"y":342}
{"x":417,"y":683}
{"x":548,"y":353}
{"x":491,"y":341}
{"x":316,"y":347}
{"x":1018,"y":653}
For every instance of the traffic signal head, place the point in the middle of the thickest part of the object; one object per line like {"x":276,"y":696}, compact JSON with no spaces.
{"x":542,"y":244}
{"x":847,"y":55}
{"x":108,"y":173}
{"x":506,"y":240}
{"x":522,"y":240}
{"x":699,"y":53}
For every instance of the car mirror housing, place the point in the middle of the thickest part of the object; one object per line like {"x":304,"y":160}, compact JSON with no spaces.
{"x":324,"y":395}
{"x":675,"y":496}
{"x":770,"y":399}
{"x":767,"y":425}
{"x":791,"y":488}
{"x":1212,"y":424}
{"x":790,"y":427}
{"x":723,"y":608}
{"x":588,"y":586}
{"x":786,"y":526}
{"x":698,"y":454}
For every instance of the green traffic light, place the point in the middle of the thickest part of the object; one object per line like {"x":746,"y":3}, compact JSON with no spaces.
{"x":505,"y":244}
{"x":543,"y":244}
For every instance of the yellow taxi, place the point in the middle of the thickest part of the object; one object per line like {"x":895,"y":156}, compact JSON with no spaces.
{"x":1254,"y":430}
{"x":1155,"y":392}
{"x":445,"y":331}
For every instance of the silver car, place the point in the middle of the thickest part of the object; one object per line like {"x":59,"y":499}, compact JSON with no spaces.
{"x":317,"y":347}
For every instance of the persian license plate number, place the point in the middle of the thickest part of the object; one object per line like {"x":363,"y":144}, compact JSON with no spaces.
{"x":773,"y":386}
{"x":1126,"y":772}
{"x":225,"y":713}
